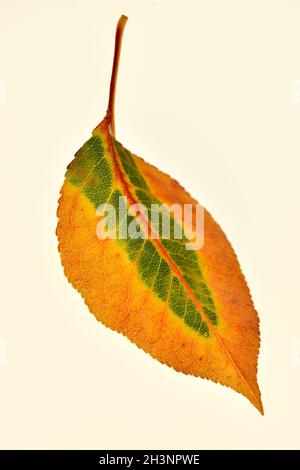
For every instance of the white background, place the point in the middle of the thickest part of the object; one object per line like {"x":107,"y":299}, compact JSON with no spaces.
{"x":204,"y":93}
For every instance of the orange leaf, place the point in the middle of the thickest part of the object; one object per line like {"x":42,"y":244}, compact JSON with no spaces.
{"x":190,"y":309}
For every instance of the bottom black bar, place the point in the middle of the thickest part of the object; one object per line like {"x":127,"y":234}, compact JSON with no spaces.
{"x":134,"y":459}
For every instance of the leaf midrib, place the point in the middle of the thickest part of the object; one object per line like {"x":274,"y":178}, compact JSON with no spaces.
{"x":126,"y":188}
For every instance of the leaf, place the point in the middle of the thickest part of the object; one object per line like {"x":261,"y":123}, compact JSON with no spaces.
{"x":190,"y":309}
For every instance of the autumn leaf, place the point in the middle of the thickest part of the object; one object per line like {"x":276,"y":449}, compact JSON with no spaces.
{"x":190,"y":309}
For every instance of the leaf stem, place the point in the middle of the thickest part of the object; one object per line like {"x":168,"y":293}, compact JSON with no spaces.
{"x":114,"y":74}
